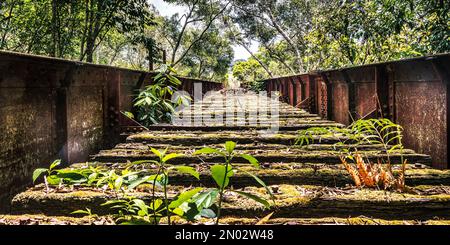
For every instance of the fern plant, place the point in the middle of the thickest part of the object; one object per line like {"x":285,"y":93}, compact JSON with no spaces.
{"x":371,"y":131}
{"x":387,"y":134}
{"x":307,"y":136}
{"x":380,"y":131}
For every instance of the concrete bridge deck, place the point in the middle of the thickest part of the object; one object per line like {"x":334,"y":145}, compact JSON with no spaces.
{"x":308,"y":181}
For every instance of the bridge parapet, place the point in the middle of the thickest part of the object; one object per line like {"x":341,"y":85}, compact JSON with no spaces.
{"x":412,"y":92}
{"x":53,"y":108}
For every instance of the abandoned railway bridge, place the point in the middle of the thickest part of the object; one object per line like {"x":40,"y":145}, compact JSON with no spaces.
{"x":52,"y":108}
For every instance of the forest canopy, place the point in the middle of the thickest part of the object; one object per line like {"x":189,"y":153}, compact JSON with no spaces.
{"x":292,"y":36}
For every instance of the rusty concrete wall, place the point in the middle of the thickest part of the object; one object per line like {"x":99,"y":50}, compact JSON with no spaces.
{"x":420,"y":107}
{"x":53,"y":108}
{"x":413,"y":93}
{"x":354,"y":94}
{"x":365,"y":93}
{"x":340,"y":98}
{"x":85,"y":127}
{"x":321,"y":96}
{"x":294,"y":90}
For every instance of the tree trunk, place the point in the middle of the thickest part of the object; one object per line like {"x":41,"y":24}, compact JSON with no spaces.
{"x":180,"y":37}
{"x":274,"y":56}
{"x":54,"y":47}
{"x":256,"y":58}
{"x":85,"y":30}
{"x":287,"y":38}
{"x":90,"y":49}
{"x":211,"y":20}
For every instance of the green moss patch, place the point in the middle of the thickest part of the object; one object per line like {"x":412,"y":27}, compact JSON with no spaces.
{"x":292,"y":201}
{"x":288,"y":173}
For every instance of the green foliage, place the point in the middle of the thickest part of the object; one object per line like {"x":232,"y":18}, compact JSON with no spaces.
{"x":190,"y":205}
{"x":380,"y":131}
{"x":248,"y":72}
{"x":133,"y":210}
{"x":369,"y":131}
{"x":365,"y":132}
{"x":206,"y":198}
{"x":162,"y":178}
{"x":87,"y":211}
{"x":209,"y":59}
{"x":221,"y":173}
{"x":39,"y":171}
{"x":128,"y":114}
{"x":154,"y":104}
{"x":116,"y":32}
{"x":293,"y":36}
{"x":306,"y":137}
{"x":257,"y":86}
{"x":114,"y":181}
{"x":300,"y":36}
{"x":68,"y":29}
{"x":90,"y":176}
{"x":254,"y":197}
{"x":195,"y":37}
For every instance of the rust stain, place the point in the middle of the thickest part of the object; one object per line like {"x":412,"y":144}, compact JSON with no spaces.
{"x":52,"y":108}
{"x":420,"y":109}
{"x":365,"y":98}
{"x":418,"y":100}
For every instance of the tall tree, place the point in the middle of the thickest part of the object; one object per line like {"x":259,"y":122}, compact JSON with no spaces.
{"x":200,"y":13}
{"x":269,"y":21}
{"x":64,"y":28}
{"x":209,"y":59}
{"x":101,"y":15}
{"x":6,"y":18}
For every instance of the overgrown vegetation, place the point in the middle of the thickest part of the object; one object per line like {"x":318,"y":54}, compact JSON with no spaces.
{"x":158,"y":101}
{"x":129,"y":34}
{"x":274,"y":37}
{"x":299,"y":36}
{"x":374,"y":175}
{"x":222,"y":173}
{"x":88,"y":176}
{"x":364,"y":132}
{"x":161,"y":179}
{"x":190,"y":204}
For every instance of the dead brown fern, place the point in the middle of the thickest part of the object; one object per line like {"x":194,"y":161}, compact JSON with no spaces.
{"x":375,"y":175}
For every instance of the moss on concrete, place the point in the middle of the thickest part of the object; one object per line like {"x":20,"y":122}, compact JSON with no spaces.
{"x":299,"y":201}
{"x":318,"y":221}
{"x":40,"y":219}
{"x":288,"y":173}
{"x":64,"y":201}
{"x":32,"y":219}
